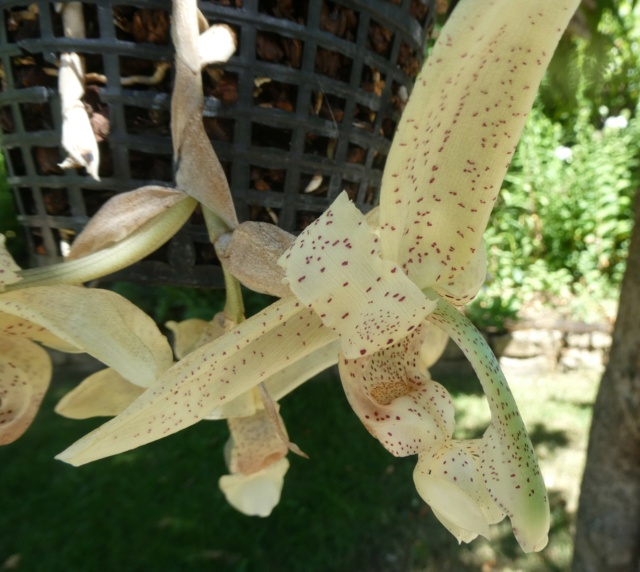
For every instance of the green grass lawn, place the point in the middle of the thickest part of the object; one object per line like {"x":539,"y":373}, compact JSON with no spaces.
{"x":351,"y":506}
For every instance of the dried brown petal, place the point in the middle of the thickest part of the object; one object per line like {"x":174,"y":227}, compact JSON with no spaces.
{"x":251,"y":253}
{"x":121,"y":216}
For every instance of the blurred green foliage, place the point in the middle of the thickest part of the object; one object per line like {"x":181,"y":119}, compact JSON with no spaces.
{"x":560,"y":231}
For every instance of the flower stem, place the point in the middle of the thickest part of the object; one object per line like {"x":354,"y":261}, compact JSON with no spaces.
{"x":234,"y":305}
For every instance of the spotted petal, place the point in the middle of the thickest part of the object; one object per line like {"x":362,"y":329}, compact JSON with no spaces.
{"x":208,"y":378}
{"x":283,"y":381}
{"x":21,"y":328}
{"x":396,"y":400}
{"x":459,"y":130}
{"x":335,"y":268}
{"x":25,"y":372}
{"x":453,"y":486}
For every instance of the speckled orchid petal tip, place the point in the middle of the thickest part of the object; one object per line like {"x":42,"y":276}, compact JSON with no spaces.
{"x":335,"y":268}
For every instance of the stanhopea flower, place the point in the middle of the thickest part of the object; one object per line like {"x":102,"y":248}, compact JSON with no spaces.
{"x":381,"y":293}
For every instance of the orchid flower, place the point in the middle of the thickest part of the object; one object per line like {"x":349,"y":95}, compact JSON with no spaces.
{"x":378,"y":295}
{"x":69,"y":319}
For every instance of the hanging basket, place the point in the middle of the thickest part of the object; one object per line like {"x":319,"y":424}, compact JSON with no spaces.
{"x":306,"y":108}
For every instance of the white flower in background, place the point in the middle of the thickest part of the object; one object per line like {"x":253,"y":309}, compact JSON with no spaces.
{"x":563,"y":153}
{"x":616,"y":122}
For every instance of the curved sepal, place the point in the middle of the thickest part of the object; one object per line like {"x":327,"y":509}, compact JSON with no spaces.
{"x":459,"y":130}
{"x":505,"y":456}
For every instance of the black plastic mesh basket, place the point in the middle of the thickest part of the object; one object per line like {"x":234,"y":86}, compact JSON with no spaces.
{"x":306,"y":108}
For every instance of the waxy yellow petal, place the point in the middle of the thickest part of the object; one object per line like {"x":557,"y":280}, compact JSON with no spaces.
{"x":459,"y":130}
{"x":21,"y":328}
{"x":334,"y":267}
{"x":256,"y":494}
{"x":103,"y":394}
{"x":186,"y":335}
{"x":396,"y":400}
{"x":208,"y":378}
{"x":99,"y":322}
{"x":450,"y":481}
{"x":25,"y":372}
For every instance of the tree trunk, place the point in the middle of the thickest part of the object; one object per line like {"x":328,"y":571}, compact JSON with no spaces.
{"x":608,"y":527}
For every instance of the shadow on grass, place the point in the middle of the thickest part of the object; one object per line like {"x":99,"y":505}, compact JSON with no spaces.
{"x":462,"y":382}
{"x":351,"y":506}
{"x":552,"y":438}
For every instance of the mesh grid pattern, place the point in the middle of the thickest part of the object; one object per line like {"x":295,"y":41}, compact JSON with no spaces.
{"x":322,"y":121}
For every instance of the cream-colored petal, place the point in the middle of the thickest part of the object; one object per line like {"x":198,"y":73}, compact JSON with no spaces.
{"x":103,"y":394}
{"x":289,"y":378}
{"x":99,"y":322}
{"x":186,"y":335}
{"x":256,"y":494}
{"x":207,"y":378}
{"x":398,"y":402}
{"x":190,"y":335}
{"x":283,"y":381}
{"x":460,"y":534}
{"x":8,"y":267}
{"x":21,"y":328}
{"x":334,"y":267}
{"x":459,"y":130}
{"x":194,"y":333}
{"x":464,"y":286}
{"x":25,"y":373}
{"x":453,"y":486}
{"x":123,"y":215}
{"x":506,"y":459}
